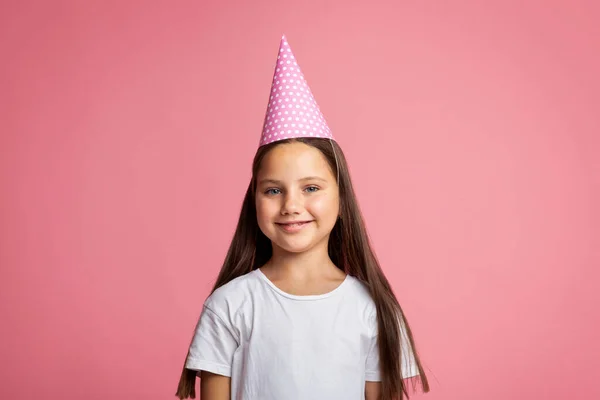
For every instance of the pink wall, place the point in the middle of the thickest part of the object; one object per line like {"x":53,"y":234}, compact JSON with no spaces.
{"x":473,"y":135}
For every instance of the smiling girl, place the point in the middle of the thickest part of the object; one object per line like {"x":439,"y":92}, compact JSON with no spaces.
{"x":301,"y":309}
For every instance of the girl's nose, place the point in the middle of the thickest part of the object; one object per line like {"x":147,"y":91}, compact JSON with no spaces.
{"x":292,"y":204}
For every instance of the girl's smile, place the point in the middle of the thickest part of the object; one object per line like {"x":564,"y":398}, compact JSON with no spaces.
{"x":292,"y":227}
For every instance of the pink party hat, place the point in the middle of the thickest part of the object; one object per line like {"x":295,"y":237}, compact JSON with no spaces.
{"x":292,"y":111}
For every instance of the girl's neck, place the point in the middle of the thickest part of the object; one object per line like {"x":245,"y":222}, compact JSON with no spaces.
{"x":310,"y":264}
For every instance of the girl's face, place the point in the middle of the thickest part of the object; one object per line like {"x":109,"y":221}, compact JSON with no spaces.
{"x":297,"y":198}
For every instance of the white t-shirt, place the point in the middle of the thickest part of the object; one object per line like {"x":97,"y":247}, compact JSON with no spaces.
{"x":279,"y":346}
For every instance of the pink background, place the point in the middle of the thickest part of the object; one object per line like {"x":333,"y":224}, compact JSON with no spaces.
{"x":472,"y":132}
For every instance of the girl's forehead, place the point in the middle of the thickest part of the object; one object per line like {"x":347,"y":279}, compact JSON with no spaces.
{"x":295,"y":160}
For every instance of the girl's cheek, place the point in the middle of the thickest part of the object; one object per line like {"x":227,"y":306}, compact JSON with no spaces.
{"x":260,"y":209}
{"x":323,"y":205}
{"x":264,"y":208}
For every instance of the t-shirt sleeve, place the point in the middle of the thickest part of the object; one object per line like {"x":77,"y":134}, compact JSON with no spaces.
{"x":213,"y":345}
{"x":408,"y":363}
{"x":372,"y":370}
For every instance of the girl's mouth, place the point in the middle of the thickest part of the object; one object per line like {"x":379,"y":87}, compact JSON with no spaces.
{"x":293,"y":226}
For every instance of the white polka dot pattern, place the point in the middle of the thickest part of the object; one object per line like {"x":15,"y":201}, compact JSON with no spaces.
{"x":292,"y":110}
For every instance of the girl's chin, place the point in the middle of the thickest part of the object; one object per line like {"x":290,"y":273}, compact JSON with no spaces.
{"x":294,"y":247}
{"x":299,"y":245}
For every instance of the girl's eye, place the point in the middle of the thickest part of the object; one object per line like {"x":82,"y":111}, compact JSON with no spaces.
{"x":272,"y":191}
{"x":312,"y":189}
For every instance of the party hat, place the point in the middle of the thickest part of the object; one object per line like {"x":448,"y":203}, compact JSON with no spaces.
{"x":292,"y":111}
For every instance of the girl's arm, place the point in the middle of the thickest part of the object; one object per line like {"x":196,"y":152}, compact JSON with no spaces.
{"x":372,"y":390}
{"x":214,"y":387}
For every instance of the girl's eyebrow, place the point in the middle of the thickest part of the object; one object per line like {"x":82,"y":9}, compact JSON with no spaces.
{"x":308,"y":178}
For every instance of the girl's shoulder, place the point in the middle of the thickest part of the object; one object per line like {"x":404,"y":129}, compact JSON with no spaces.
{"x":233,"y":294}
{"x":360,"y":300}
{"x":362,"y":292}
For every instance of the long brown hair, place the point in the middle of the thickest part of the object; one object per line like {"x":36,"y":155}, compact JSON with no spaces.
{"x":349,"y":249}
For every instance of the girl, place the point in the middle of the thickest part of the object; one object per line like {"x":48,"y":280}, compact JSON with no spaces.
{"x":301,"y":309}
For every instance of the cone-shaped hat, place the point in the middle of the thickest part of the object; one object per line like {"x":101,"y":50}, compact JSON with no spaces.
{"x":292,"y":110}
